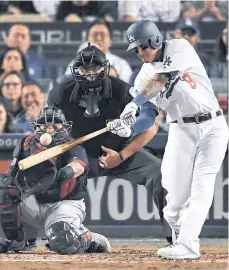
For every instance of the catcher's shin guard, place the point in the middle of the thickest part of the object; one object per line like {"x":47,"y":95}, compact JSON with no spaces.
{"x":10,"y":216}
{"x":63,"y":238}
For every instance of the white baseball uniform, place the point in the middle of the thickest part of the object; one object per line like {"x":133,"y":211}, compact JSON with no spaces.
{"x":194,"y":152}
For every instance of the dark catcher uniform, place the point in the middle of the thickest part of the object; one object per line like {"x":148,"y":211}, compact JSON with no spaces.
{"x":50,"y":194}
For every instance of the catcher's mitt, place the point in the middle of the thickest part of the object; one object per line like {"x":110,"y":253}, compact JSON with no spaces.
{"x":37,"y":178}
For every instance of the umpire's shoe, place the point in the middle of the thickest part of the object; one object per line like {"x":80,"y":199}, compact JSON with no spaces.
{"x":30,"y":245}
{"x":8,"y":245}
{"x":5,"y":245}
{"x":99,"y":244}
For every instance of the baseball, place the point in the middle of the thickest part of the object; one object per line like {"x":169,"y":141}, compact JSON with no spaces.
{"x":45,"y":139}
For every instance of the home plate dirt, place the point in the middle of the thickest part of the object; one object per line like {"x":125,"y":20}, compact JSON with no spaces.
{"x":121,"y":257}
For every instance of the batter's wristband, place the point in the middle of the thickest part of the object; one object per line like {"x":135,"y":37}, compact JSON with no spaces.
{"x":139,"y":100}
{"x":121,"y":157}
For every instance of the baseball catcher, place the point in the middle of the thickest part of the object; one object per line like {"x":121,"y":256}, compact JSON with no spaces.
{"x":50,"y":194}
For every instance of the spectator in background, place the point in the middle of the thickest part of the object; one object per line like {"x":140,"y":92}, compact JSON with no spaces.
{"x":154,"y":10}
{"x":188,"y":29}
{"x":113,"y":72}
{"x":6,"y":7}
{"x":19,"y":36}
{"x":205,"y":10}
{"x":78,"y":11}
{"x":223,"y":103}
{"x":46,"y":8}
{"x":6,"y":123}
{"x":219,"y":70}
{"x":11,"y":89}
{"x":100,"y":33}
{"x":32,"y":100}
{"x":13,"y":60}
{"x":219,"y":63}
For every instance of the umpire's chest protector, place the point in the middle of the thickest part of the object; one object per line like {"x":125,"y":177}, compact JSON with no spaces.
{"x":110,"y":108}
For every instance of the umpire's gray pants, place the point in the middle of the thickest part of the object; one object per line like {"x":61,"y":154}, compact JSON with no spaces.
{"x":142,"y":168}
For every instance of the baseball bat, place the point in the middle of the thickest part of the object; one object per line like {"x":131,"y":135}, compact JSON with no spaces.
{"x":57,"y":150}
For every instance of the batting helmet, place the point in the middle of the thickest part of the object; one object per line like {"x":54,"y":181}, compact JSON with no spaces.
{"x":143,"y":32}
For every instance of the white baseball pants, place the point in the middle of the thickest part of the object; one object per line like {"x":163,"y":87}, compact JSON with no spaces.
{"x":193,"y":156}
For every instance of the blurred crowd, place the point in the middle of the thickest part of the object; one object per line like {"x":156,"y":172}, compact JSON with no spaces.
{"x":122,"y":10}
{"x":21,"y":95}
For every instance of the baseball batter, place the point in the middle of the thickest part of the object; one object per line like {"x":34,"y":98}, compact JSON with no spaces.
{"x":50,"y":194}
{"x":174,"y":78}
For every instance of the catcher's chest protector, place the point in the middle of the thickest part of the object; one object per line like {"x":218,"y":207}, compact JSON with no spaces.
{"x":37,"y":178}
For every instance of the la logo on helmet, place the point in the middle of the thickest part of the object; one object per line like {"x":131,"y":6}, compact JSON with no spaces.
{"x":131,"y":38}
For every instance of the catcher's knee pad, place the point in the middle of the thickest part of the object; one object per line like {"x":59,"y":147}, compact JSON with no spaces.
{"x":64,"y":239}
{"x":10,"y":214}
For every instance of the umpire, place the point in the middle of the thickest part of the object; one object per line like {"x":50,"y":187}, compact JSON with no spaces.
{"x":90,"y":98}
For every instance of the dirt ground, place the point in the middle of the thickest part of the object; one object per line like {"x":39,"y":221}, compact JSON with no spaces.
{"x":125,"y":257}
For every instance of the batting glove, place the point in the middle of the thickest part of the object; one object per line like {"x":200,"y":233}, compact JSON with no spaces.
{"x":120,"y":128}
{"x":129,"y":113}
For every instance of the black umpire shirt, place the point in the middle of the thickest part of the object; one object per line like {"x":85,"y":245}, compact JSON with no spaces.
{"x":109,"y":109}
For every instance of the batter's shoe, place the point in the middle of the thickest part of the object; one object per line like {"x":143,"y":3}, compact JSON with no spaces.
{"x":177,"y":251}
{"x":99,"y":244}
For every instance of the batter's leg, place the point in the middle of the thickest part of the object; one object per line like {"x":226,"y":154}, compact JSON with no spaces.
{"x":209,"y":158}
{"x":177,"y":166}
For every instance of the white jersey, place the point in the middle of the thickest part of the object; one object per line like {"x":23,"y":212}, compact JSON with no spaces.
{"x":189,"y":92}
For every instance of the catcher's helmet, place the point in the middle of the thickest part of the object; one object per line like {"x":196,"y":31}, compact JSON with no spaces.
{"x":90,"y":57}
{"x":52,"y":115}
{"x":144,"y":32}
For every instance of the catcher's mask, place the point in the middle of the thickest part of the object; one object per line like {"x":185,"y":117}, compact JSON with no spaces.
{"x":90,"y":70}
{"x":52,"y":116}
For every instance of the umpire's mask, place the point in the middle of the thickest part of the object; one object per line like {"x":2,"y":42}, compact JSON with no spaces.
{"x":91,"y":69}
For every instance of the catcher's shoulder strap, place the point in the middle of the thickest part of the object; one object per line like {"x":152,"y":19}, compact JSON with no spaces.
{"x":28,"y":141}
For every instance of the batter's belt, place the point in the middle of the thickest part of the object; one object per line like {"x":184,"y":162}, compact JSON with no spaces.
{"x":199,"y":118}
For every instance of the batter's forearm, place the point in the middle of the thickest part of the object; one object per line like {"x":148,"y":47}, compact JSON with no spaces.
{"x":139,"y":142}
{"x":151,"y":88}
{"x":154,"y":86}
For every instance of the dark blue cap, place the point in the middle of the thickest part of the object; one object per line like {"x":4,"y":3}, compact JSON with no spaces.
{"x":187,"y":23}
